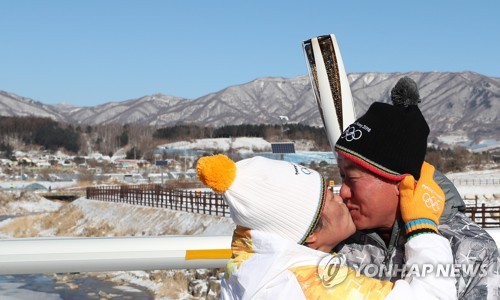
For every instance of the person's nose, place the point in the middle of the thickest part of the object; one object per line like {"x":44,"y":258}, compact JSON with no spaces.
{"x":345,"y":192}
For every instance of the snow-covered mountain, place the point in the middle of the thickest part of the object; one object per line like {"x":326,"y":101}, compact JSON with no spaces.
{"x":14,"y":105}
{"x":458,"y":106}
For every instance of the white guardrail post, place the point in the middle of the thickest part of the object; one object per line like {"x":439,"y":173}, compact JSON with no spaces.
{"x":64,"y":255}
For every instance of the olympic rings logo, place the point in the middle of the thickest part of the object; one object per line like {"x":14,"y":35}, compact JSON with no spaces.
{"x":430,"y":202}
{"x":351,"y":134}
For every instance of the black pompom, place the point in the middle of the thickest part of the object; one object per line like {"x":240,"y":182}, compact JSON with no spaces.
{"x":405,"y":92}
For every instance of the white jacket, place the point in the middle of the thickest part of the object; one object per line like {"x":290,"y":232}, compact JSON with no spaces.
{"x":266,"y":266}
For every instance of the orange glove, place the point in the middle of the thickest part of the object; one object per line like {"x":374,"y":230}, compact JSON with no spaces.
{"x":422,"y":204}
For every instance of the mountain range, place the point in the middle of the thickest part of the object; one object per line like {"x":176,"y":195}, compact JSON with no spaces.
{"x":459,"y":107}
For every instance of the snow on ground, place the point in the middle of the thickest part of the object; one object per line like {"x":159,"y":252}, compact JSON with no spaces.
{"x":481,"y":185}
{"x":478,"y":175}
{"x":17,"y":203}
{"x":458,"y":137}
{"x":239,"y":144}
{"x":110,"y":219}
{"x":139,"y":220}
{"x":140,"y":278}
{"x":222,"y":144}
{"x":21,"y":184}
{"x":15,"y":291}
{"x":303,"y":157}
{"x":37,"y":206}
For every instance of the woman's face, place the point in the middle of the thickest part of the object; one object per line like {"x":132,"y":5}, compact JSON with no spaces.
{"x":337,"y":224}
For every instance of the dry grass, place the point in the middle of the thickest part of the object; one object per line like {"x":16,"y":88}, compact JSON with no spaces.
{"x":8,"y":197}
{"x":4,"y":199}
{"x":63,"y":222}
{"x":23,"y":227}
{"x":98,"y":230}
{"x":68,"y":218}
{"x":173,"y":286}
{"x":58,"y":223}
{"x":84,"y":183}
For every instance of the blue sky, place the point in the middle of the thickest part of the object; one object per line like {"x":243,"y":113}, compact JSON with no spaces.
{"x":92,"y":52}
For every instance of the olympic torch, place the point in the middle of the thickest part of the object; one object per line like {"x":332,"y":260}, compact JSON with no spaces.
{"x":330,"y":85}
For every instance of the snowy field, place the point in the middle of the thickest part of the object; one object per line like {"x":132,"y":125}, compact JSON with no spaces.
{"x":481,"y":185}
{"x":21,"y":185}
{"x":248,"y":147}
{"x":244,"y":144}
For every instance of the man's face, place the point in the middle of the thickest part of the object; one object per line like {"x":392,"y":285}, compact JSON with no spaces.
{"x":372,"y":201}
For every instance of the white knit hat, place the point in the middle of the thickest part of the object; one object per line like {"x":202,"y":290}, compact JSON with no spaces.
{"x":268,"y":195}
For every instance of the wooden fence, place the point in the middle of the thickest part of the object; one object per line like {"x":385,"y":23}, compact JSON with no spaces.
{"x":210,"y":203}
{"x":484,"y":216}
{"x":159,"y":196}
{"x":476,"y":181}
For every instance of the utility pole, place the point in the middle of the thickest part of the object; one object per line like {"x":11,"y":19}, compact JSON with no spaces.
{"x":284,"y":120}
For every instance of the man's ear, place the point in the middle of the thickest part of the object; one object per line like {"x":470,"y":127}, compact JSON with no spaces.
{"x":397,"y":188}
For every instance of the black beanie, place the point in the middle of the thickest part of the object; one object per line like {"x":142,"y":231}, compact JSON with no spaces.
{"x":389,"y":140}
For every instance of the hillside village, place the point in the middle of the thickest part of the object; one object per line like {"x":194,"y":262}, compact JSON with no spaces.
{"x":36,"y":165}
{"x":177,"y":160}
